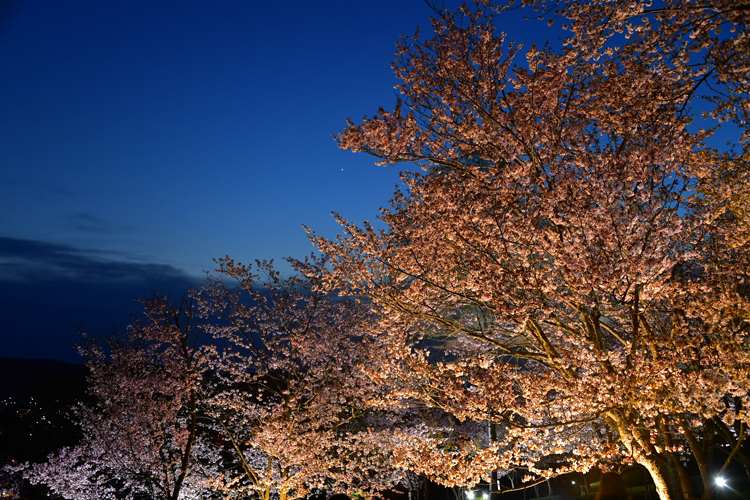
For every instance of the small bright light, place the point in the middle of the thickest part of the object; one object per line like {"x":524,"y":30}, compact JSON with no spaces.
{"x":485,"y":496}
{"x":572,"y":482}
{"x":721,"y":482}
{"x":470,"y":495}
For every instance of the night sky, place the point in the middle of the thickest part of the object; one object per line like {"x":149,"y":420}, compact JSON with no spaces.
{"x":140,"y":140}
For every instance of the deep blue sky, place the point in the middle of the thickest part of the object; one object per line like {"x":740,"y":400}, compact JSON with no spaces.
{"x":141,"y":139}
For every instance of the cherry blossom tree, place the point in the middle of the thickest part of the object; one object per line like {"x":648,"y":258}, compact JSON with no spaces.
{"x":142,"y":437}
{"x":573,"y":241}
{"x":256,"y":389}
{"x":702,"y":45}
{"x":289,"y":399}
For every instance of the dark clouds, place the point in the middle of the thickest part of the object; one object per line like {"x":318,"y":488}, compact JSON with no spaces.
{"x":38,"y":261}
{"x":89,"y":223}
{"x":46,"y":289}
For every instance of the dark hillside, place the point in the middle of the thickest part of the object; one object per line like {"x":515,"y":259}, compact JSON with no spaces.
{"x":43,"y":379}
{"x":36,"y":397}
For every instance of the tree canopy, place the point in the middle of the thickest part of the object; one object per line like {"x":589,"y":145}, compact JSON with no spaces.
{"x":573,"y":238}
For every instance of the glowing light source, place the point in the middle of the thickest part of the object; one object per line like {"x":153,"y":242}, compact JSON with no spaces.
{"x":721,"y":482}
{"x":485,"y":496}
{"x":470,"y":495}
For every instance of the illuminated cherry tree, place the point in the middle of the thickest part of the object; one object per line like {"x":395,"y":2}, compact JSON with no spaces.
{"x":254,"y":389}
{"x":289,"y":399}
{"x":572,"y":241}
{"x":142,"y":436}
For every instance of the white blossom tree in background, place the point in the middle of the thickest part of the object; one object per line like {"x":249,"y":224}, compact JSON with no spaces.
{"x":256,"y":389}
{"x":142,"y":436}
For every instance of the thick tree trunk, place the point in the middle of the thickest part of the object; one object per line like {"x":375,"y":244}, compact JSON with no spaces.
{"x":668,"y":479}
{"x":667,"y":482}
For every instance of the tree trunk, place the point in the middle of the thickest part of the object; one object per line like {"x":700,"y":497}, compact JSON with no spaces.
{"x":702,"y":451}
{"x":186,"y":454}
{"x":666,"y":479}
{"x":494,"y":485}
{"x":682,"y":473}
{"x":283,"y":490}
